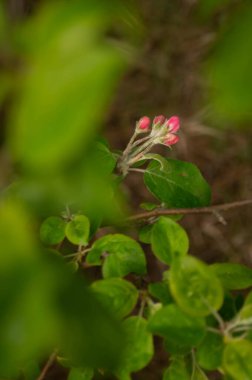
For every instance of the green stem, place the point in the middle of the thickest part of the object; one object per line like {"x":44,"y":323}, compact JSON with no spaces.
{"x":140,"y":141}
{"x":128,"y":147}
{"x":142,"y":147}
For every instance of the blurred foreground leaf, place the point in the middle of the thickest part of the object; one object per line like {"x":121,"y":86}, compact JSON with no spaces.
{"x":45,"y":306}
{"x":71,"y":72}
{"x":229,"y":69}
{"x":52,"y":230}
{"x":80,"y":374}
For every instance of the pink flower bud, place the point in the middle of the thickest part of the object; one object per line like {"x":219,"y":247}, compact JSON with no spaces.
{"x":144,"y":124}
{"x":159,"y":120}
{"x":170,"y":139}
{"x":173,"y":124}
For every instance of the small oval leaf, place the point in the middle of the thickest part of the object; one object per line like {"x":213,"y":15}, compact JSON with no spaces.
{"x":237,"y":359}
{"x":195,"y":288}
{"x":181,"y":331}
{"x":118,"y":295}
{"x":52,"y":230}
{"x":138,"y":348}
{"x":177,"y":370}
{"x":209,"y":352}
{"x":123,"y":255}
{"x":233,"y":276}
{"x":168,"y":240}
{"x":77,"y":230}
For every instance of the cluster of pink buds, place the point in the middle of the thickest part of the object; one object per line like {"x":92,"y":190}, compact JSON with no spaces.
{"x":160,"y":131}
{"x":162,"y":128}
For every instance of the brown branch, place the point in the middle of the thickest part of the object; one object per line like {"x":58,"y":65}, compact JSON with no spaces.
{"x":47,"y":366}
{"x":184,"y":211}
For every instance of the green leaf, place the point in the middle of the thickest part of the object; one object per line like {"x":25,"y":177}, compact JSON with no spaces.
{"x":31,"y":370}
{"x":52,"y":230}
{"x":232,"y":84}
{"x":237,"y":359}
{"x":177,"y":184}
{"x":73,"y":266}
{"x":80,"y":374}
{"x":156,"y":157}
{"x":177,"y":370}
{"x":233,"y":276}
{"x":198,"y":374}
{"x":118,"y":295}
{"x":27,"y":325}
{"x":161,"y":291}
{"x":123,"y":256}
{"x":245,"y":315}
{"x":44,"y":305}
{"x":70,"y":78}
{"x":228,"y":309}
{"x":77,"y":230}
{"x":64,"y":362}
{"x":90,"y":335}
{"x":145,"y":234}
{"x":103,"y":158}
{"x":181,"y":331}
{"x":124,"y":376}
{"x":168,"y":240}
{"x":248,"y":300}
{"x":208,"y":7}
{"x":209,"y":352}
{"x":195,"y":288}
{"x":138,"y":348}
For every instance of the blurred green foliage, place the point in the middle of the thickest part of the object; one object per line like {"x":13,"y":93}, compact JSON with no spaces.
{"x":70,"y":73}
{"x":61,"y":65}
{"x":206,"y":8}
{"x":38,"y":309}
{"x":228,"y":68}
{"x":66,"y":69}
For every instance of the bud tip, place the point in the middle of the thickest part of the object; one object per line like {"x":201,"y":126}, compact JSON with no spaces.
{"x":144,"y":124}
{"x":173,"y":124}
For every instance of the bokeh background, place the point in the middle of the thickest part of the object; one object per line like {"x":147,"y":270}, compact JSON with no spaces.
{"x":194,"y":61}
{"x":185,"y":57}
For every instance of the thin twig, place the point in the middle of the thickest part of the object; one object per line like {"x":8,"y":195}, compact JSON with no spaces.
{"x":47,"y":366}
{"x":195,"y":210}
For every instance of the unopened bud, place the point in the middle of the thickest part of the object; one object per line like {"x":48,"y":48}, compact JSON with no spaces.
{"x":173,"y":124}
{"x":143,"y":124}
{"x":170,"y":139}
{"x":159,"y":120}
